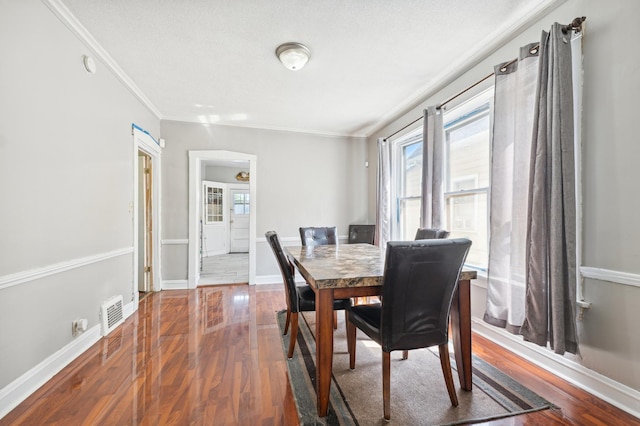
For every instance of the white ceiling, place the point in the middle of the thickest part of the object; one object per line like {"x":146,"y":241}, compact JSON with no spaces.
{"x":213,"y":61}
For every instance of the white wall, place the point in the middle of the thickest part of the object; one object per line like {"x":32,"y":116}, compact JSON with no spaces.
{"x":610,"y":342}
{"x":303,"y":180}
{"x":224,"y":174}
{"x":66,"y":185}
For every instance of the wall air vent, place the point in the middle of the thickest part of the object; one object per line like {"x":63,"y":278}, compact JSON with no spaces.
{"x":111,"y":314}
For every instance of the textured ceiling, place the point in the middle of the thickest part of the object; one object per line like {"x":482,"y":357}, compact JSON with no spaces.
{"x":213,"y":61}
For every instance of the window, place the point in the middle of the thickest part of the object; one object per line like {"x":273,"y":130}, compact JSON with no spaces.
{"x":240,"y":203}
{"x":466,"y":182}
{"x":408,"y":165}
{"x":213,"y":204}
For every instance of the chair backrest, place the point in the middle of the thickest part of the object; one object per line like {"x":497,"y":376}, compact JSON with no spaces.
{"x":420,"y":278}
{"x":362,"y":234}
{"x":286,"y":269}
{"x":319,"y":236}
{"x":431,"y":233}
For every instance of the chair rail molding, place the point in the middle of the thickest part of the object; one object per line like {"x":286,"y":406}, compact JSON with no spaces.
{"x":618,"y":277}
{"x":295,"y":241}
{"x":56,"y":268}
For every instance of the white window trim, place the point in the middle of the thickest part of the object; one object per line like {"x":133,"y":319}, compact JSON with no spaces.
{"x":460,"y":113}
{"x":409,"y":138}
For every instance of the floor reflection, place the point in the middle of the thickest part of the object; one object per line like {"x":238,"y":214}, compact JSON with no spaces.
{"x":185,"y":357}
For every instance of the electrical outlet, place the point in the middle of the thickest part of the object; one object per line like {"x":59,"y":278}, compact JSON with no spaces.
{"x":78,"y":326}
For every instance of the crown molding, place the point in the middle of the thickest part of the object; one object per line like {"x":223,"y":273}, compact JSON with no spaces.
{"x":457,"y":69}
{"x":70,"y":21}
{"x":267,"y":127}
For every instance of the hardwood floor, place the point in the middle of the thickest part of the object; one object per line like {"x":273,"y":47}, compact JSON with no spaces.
{"x":213,"y":356}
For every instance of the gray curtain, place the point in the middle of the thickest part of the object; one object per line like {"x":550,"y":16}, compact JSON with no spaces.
{"x":383,"y":194}
{"x":513,"y":109}
{"x":551,"y":233}
{"x":532,"y":252}
{"x":432,"y":207}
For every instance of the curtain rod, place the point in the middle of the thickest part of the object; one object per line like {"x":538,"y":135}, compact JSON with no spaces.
{"x":575,"y":25}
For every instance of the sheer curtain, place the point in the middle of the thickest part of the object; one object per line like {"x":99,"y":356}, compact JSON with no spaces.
{"x":383,"y":194}
{"x":432,"y":206}
{"x":532,"y":261}
{"x":514,"y":102}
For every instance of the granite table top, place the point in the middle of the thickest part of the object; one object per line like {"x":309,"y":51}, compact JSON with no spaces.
{"x":344,"y":265}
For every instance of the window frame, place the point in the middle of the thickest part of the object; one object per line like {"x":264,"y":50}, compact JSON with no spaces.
{"x":465,"y":112}
{"x":398,"y":179}
{"x":213,"y":204}
{"x":471,"y":108}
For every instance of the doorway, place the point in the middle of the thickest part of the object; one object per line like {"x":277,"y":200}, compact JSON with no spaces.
{"x":145,"y":224}
{"x":225,"y":229}
{"x":206,"y":166}
{"x":145,"y":211}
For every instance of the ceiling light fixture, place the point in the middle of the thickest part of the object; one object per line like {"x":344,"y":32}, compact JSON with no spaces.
{"x":293,"y":55}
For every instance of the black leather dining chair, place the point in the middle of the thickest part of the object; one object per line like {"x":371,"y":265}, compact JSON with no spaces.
{"x":318,"y":236}
{"x":420,"y":279}
{"x":362,"y":234}
{"x":300,"y":298}
{"x":431,"y":233}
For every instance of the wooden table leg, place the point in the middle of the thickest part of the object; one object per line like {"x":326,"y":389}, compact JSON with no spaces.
{"x":461,"y":332}
{"x":324,"y":348}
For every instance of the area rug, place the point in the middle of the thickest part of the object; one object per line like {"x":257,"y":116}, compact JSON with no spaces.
{"x":418,"y":392}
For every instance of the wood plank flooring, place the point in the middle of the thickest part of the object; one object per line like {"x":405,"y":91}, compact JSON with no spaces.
{"x":213,"y":356}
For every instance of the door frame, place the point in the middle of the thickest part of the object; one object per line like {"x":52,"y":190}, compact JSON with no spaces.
{"x":144,"y":142}
{"x":196,"y":160}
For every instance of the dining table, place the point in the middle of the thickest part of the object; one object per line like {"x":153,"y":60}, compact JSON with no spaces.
{"x":357,"y":270}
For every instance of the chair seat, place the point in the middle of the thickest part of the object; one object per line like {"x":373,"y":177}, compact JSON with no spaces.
{"x":307,"y":299}
{"x":367,"y":318}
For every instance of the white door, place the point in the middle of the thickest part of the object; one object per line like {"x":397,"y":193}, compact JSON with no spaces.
{"x":239,"y":223}
{"x":215,"y":218}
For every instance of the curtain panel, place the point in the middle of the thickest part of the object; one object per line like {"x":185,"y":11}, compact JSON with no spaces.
{"x":514,"y":104}
{"x":551,"y":234}
{"x":532,"y":251}
{"x":383,"y":194}
{"x":432,"y":205}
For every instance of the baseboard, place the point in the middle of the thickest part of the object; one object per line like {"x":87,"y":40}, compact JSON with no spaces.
{"x":175,"y":284}
{"x":22,"y":387}
{"x":609,"y":390}
{"x":18,"y":390}
{"x":268,"y":279}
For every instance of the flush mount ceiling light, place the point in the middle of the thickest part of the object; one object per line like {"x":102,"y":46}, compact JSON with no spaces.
{"x":293,"y":55}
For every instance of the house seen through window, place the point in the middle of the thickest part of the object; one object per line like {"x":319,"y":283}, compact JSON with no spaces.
{"x":466,"y":182}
